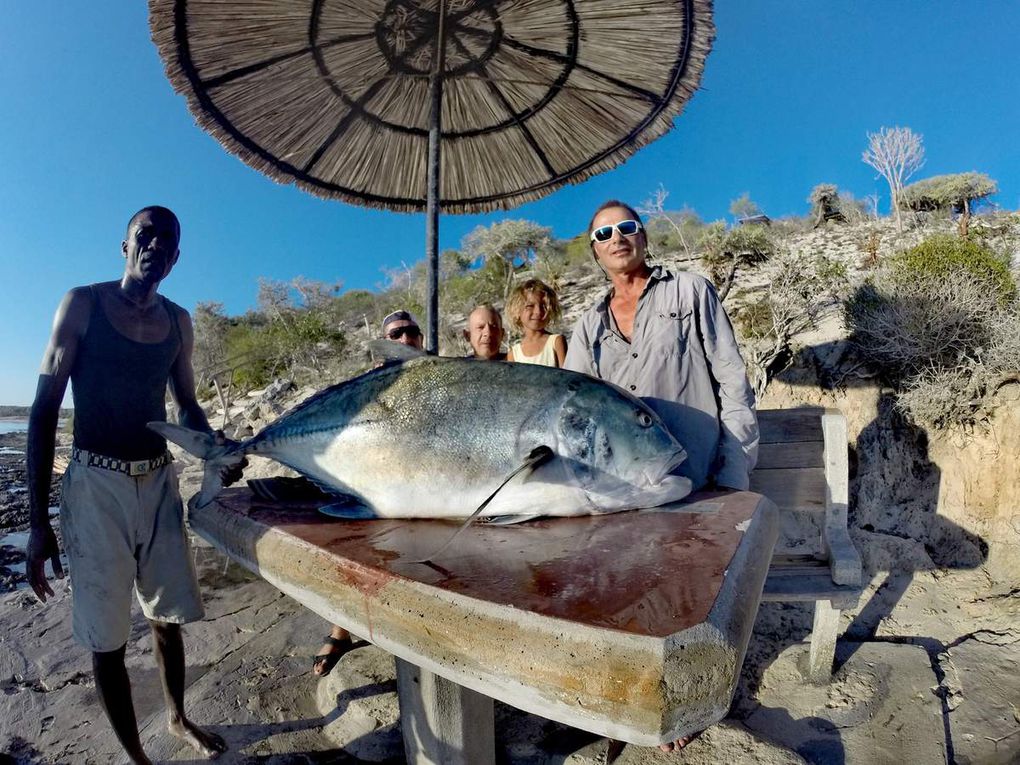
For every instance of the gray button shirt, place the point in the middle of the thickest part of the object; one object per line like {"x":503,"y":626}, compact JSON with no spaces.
{"x":683,"y":361}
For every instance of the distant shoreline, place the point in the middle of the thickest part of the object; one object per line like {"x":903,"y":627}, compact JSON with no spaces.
{"x":22,"y":412}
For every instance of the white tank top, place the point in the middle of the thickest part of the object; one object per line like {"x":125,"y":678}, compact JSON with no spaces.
{"x":546,"y":357}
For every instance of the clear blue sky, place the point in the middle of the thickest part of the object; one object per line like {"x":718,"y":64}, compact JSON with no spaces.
{"x":92,"y":130}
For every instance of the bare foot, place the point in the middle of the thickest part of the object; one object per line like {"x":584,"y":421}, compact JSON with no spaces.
{"x":206,"y":743}
{"x":680,"y":743}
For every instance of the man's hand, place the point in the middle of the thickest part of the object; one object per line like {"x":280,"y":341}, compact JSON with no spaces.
{"x":230,"y":473}
{"x":42,"y":544}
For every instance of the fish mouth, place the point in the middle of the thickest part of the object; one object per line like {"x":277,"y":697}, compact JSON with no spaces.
{"x":655,"y":475}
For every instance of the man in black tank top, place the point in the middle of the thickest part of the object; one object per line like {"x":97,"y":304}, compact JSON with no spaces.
{"x":121,"y":344}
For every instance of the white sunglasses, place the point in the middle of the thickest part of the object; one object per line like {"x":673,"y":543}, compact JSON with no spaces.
{"x":625,"y":227}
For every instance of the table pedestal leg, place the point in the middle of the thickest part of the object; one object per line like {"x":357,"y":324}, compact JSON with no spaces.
{"x":443,"y":723}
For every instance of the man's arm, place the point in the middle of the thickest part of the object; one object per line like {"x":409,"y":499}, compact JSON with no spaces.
{"x":182,"y":379}
{"x":738,"y":442}
{"x":578,"y":356}
{"x":182,"y":388}
{"x":69,"y":325}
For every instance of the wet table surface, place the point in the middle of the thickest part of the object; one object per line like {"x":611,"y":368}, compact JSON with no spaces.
{"x":631,"y":625}
{"x":650,"y":572}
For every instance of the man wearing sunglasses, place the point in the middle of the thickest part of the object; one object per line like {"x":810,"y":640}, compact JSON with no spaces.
{"x":402,"y":327}
{"x":665,"y":337}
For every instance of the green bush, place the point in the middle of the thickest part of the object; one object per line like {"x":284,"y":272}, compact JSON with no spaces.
{"x":944,"y":256}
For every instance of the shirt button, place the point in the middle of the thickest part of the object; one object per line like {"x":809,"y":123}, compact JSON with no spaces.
{"x":634,"y":355}
{"x":633,"y":387}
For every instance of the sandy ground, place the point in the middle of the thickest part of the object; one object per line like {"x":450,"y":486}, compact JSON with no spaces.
{"x":912,"y":692}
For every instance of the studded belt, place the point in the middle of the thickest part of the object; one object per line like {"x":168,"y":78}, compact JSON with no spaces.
{"x":128,"y":467}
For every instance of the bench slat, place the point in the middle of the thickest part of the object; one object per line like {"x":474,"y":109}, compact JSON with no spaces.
{"x":800,"y":454}
{"x":792,"y":488}
{"x":803,"y":584}
{"x":780,"y":426}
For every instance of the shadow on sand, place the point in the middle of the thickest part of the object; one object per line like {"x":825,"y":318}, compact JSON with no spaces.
{"x":896,"y":527}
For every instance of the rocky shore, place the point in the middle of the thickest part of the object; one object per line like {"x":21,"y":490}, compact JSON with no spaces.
{"x":14,"y":507}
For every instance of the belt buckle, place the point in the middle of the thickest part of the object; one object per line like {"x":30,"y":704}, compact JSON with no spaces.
{"x":137,"y":468}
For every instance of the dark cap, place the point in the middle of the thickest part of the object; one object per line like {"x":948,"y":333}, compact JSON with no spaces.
{"x":399,"y":316}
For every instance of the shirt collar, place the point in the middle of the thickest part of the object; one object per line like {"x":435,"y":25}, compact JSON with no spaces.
{"x":658,"y":274}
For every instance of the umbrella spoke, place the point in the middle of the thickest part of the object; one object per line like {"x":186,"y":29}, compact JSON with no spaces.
{"x":357,"y":109}
{"x":563,"y":59}
{"x":243,"y":71}
{"x":528,"y":136}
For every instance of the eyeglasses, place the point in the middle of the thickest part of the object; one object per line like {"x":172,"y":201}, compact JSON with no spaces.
{"x":625,"y":227}
{"x":411,"y":331}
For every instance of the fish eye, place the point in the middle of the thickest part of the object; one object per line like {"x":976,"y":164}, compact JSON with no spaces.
{"x":644,"y":419}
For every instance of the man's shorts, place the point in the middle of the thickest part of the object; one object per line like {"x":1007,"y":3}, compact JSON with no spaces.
{"x":122,"y":533}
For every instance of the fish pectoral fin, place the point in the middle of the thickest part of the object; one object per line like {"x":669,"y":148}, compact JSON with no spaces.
{"x":349,"y":510}
{"x":538,"y":456}
{"x":507,"y":520}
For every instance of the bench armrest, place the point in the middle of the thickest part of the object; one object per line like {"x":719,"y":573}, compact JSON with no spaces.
{"x":846,"y":561}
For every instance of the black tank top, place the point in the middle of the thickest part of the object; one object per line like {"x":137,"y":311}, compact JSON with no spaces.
{"x":118,"y":385}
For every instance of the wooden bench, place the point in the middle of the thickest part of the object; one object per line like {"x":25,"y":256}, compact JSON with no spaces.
{"x":802,"y":467}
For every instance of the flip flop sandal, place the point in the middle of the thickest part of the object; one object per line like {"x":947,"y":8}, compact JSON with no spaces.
{"x":328,"y":660}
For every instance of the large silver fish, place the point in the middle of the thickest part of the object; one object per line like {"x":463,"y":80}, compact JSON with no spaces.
{"x":434,"y":438}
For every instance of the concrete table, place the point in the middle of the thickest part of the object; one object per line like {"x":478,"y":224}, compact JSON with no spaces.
{"x":631,"y":626}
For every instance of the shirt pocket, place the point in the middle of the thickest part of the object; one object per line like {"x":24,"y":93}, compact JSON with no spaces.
{"x":670,"y":333}
{"x":609,"y":354}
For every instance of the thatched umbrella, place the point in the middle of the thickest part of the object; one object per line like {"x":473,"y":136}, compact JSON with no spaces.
{"x":454,"y":105}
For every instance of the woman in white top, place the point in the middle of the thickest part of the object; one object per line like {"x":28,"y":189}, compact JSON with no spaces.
{"x":532,"y":306}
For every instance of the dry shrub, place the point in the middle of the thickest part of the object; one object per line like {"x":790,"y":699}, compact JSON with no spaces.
{"x":799,"y":288}
{"x":940,"y":398}
{"x":910,"y":327}
{"x":942,"y":324}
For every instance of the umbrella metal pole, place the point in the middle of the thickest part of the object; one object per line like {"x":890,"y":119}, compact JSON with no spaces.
{"x":432,"y":203}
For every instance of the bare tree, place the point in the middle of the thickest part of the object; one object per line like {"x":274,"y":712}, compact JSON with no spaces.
{"x":896,"y":153}
{"x":505,"y":247}
{"x":681,"y":222}
{"x":799,"y":290}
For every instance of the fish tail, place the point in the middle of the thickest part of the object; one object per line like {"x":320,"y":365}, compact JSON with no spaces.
{"x":202,"y":445}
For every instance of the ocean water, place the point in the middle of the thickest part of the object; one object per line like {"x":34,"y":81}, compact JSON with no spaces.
{"x":13,"y":426}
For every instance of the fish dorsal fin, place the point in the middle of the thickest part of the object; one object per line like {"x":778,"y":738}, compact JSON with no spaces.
{"x":538,"y":456}
{"x":389,"y":351}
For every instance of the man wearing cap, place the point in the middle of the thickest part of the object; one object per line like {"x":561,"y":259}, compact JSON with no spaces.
{"x":399,"y":327}
{"x":402,"y":327}
{"x":121,"y":345}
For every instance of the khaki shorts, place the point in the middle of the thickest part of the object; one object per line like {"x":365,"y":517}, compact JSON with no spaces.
{"x":122,"y":533}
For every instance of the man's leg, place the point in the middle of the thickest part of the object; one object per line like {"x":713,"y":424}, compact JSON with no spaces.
{"x":114,"y":691}
{"x":169,"y":647}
